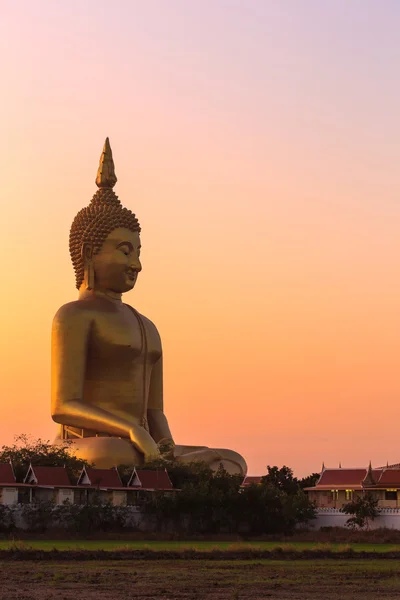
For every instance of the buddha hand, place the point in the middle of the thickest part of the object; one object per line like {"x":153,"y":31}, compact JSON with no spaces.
{"x":166,"y":447}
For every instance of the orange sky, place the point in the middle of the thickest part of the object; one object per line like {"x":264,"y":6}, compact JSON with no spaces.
{"x":258,"y":145}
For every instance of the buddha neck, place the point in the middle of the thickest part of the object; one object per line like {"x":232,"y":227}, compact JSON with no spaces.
{"x":85,"y":294}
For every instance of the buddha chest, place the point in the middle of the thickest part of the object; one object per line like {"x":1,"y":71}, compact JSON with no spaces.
{"x":120,"y":343}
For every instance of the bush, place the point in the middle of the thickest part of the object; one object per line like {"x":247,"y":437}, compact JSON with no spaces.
{"x":363,"y":508}
{"x":38,"y":516}
{"x":7,"y":522}
{"x":215,"y":503}
{"x":89,"y":518}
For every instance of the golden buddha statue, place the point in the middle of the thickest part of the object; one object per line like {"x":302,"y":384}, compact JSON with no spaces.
{"x":107,"y":386}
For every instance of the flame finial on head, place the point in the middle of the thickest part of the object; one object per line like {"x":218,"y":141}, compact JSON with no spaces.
{"x":106,"y":177}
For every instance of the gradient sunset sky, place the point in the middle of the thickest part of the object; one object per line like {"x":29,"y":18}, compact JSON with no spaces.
{"x":258,"y":142}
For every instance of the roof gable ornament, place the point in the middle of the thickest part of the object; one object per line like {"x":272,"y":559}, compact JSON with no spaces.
{"x":12,"y":469}
{"x":369,"y":479}
{"x":134,"y":480}
{"x":83,"y":478}
{"x":30,"y":476}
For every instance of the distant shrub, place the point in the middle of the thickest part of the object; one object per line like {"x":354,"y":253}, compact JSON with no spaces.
{"x":7,"y":522}
{"x":89,"y":518}
{"x":363,"y":510}
{"x":79,"y":519}
{"x":38,"y":516}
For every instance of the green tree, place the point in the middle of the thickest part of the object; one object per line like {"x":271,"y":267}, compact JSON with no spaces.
{"x":363,"y":508}
{"x":262,"y":509}
{"x":181,"y":473}
{"x":206,"y":501}
{"x":297,"y":509}
{"x":309,"y":481}
{"x":281,"y":478}
{"x":27,"y":450}
{"x":214,"y":502}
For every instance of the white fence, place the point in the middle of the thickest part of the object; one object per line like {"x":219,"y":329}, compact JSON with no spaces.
{"x":333,"y":517}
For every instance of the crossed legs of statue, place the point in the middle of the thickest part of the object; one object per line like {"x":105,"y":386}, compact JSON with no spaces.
{"x":107,"y":452}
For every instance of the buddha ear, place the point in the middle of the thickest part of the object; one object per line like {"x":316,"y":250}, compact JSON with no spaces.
{"x":87,"y":252}
{"x":87,"y":255}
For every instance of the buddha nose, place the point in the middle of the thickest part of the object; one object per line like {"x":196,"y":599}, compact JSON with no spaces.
{"x":135,"y":264}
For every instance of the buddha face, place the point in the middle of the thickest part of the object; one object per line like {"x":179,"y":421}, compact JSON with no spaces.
{"x":116,"y":265}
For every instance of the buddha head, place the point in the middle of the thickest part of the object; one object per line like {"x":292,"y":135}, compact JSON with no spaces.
{"x":104,"y":240}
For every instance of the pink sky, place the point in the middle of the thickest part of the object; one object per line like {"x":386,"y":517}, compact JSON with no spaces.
{"x":258,"y":143}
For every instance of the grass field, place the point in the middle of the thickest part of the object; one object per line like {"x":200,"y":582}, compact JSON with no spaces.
{"x":195,"y":545}
{"x":201,"y":580}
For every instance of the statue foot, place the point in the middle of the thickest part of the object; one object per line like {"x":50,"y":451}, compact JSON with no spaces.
{"x":231,"y":461}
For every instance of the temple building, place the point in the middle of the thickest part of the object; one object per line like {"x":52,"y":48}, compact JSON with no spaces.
{"x":337,"y":487}
{"x":103,"y":485}
{"x":53,"y":484}
{"x":48,"y":484}
{"x":8,"y":485}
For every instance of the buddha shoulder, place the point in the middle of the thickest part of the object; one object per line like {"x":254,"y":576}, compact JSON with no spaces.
{"x":75,"y":314}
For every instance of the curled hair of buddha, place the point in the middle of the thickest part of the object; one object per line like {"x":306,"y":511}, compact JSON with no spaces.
{"x":105,"y":213}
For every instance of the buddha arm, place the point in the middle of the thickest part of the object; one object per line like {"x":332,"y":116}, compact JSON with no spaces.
{"x":158,"y":424}
{"x":70,"y":334}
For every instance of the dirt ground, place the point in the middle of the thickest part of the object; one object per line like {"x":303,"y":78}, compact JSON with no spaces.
{"x":201,"y":580}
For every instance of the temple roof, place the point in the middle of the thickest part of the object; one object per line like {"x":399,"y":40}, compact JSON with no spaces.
{"x":357,"y":478}
{"x":335,"y":477}
{"x":6,"y":474}
{"x":389,"y":477}
{"x":105,"y":478}
{"x":150,"y":480}
{"x":48,"y":476}
{"x":252,"y":479}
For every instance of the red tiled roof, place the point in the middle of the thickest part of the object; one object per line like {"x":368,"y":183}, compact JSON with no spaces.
{"x":337,"y":477}
{"x":252,"y":479}
{"x":342,"y":478}
{"x":108,"y":478}
{"x":389,"y":477}
{"x":6,"y":473}
{"x":154,"y":480}
{"x":51,"y":476}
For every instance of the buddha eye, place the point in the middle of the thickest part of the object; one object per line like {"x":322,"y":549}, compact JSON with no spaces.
{"x":125,"y":250}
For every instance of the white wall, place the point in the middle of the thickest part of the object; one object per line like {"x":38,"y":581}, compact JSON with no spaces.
{"x":63,"y":495}
{"x":9,"y":495}
{"x":332,"y":517}
{"x":119,"y":498}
